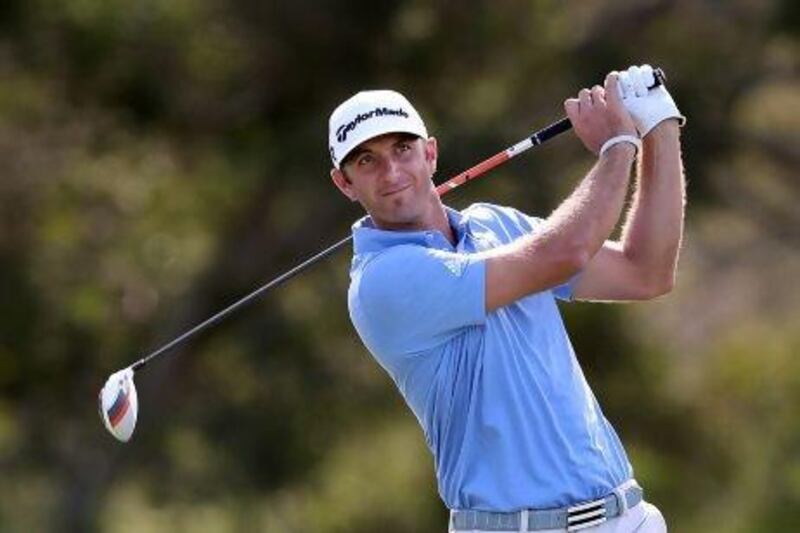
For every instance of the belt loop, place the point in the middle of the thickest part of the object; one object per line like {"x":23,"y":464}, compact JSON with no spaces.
{"x":622,"y":501}
{"x":523,"y":520}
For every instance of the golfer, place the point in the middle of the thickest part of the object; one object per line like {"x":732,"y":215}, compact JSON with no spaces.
{"x":459,"y":307}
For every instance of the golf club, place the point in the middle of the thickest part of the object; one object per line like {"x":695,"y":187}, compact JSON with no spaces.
{"x":118,"y":400}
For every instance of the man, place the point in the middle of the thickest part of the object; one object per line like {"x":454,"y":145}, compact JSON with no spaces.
{"x":459,"y":307}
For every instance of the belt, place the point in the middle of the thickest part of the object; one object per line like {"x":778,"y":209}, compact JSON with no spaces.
{"x":573,"y":518}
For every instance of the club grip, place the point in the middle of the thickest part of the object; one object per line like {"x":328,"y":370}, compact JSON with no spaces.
{"x":661,"y":78}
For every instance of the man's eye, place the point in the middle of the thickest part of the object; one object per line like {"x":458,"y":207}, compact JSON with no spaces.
{"x":365,"y":160}
{"x":404,"y":147}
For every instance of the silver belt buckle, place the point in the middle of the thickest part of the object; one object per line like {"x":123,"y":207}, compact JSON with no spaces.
{"x":586,"y":515}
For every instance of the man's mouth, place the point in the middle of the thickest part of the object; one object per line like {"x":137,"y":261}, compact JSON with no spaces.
{"x":395,"y":190}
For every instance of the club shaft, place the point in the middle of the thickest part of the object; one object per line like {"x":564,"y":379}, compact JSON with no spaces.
{"x":478,"y":170}
{"x":245,"y":300}
{"x":541,"y":136}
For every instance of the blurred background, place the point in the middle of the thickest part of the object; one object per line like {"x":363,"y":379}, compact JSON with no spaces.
{"x":159,"y":159}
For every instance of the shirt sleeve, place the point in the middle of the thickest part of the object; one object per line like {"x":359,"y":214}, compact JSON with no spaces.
{"x":411,"y":298}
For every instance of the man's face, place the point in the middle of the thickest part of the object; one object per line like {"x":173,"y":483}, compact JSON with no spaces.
{"x":390,"y":176}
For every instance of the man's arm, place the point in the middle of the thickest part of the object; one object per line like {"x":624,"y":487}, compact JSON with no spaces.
{"x":575,"y":232}
{"x":642,"y":264}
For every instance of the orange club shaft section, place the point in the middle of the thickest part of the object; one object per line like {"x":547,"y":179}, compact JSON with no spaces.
{"x":473,"y":172}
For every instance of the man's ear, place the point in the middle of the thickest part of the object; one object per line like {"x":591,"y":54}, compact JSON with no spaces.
{"x":432,"y":153}
{"x":344,"y":184}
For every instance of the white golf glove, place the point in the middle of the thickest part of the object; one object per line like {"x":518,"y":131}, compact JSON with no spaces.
{"x":647,"y":107}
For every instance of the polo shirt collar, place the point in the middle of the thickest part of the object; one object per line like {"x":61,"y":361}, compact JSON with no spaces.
{"x":367,"y":238}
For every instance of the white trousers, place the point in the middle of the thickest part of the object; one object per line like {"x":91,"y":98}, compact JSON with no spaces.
{"x":642,"y":518}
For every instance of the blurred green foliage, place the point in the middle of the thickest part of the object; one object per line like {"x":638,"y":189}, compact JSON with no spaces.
{"x":159,"y":159}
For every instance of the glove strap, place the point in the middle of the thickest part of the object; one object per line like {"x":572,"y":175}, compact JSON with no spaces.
{"x":635,"y":141}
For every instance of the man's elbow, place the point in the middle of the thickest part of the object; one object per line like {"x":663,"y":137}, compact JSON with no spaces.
{"x":657,"y":286}
{"x":564,"y":260}
{"x":568,"y":264}
{"x":576,"y":260}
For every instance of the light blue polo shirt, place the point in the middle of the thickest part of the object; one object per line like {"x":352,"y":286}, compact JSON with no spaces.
{"x":506,"y":410}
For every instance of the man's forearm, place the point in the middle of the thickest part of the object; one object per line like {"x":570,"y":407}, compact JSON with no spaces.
{"x":588,"y":216}
{"x":568,"y":238}
{"x":573,"y":234}
{"x":653,"y":229}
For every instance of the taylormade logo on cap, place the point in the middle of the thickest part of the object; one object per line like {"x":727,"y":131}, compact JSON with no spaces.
{"x":369,"y":114}
{"x":341,"y":132}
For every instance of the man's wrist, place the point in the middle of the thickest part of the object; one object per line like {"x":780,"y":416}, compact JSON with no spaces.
{"x":619,"y":156}
{"x":626,"y":150}
{"x":667,"y":125}
{"x":631,"y":141}
{"x":665,"y":131}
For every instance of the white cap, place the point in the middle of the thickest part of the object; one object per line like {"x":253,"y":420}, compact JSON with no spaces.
{"x":369,"y":114}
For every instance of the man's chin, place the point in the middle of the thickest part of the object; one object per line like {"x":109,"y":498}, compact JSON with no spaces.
{"x":396,"y":221}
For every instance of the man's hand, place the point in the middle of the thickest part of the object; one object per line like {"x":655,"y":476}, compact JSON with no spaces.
{"x":648,"y":107}
{"x":599,"y":114}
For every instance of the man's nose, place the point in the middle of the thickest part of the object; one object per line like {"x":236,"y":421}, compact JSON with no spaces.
{"x":392,"y":169}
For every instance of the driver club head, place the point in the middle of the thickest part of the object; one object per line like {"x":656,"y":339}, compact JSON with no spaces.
{"x":119,"y":405}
